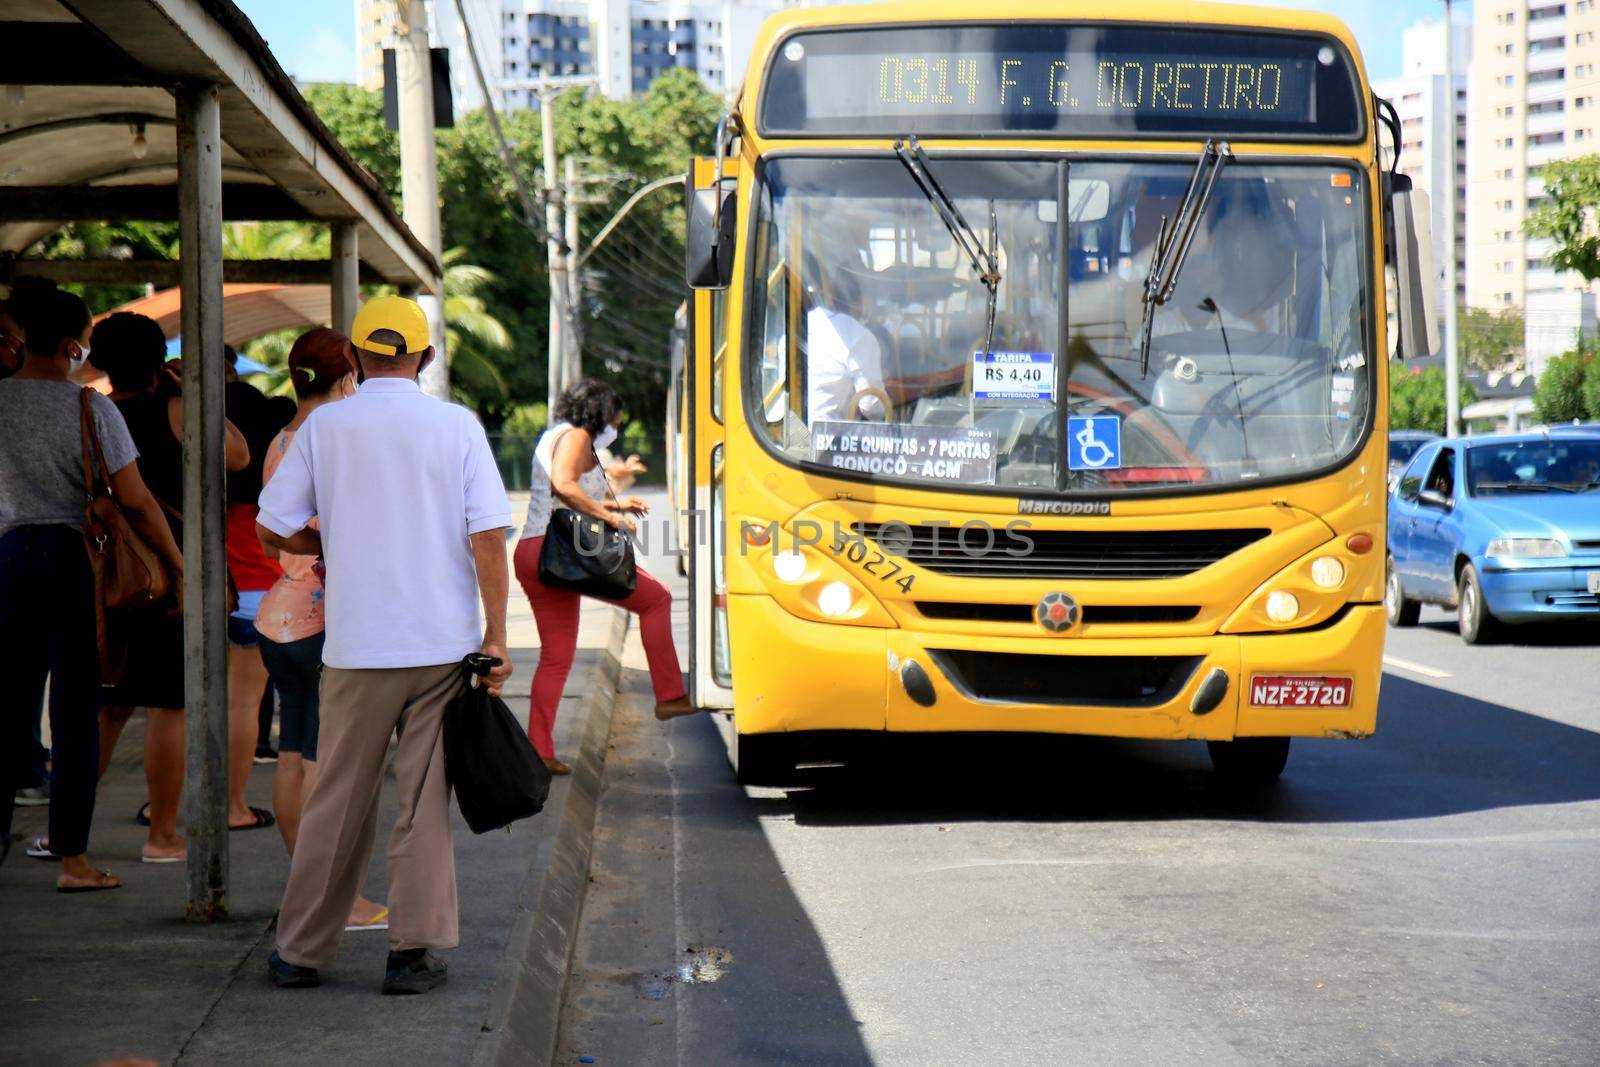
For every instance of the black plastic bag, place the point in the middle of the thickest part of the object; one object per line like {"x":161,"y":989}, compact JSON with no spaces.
{"x":488,"y":760}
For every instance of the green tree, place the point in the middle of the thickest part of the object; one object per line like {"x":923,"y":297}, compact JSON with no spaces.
{"x":471,"y":333}
{"x":1569,"y":388}
{"x":1572,"y":189}
{"x":1490,"y":340}
{"x":631,"y":287}
{"x":355,"y":116}
{"x":272,"y":240}
{"x":1416,"y":398}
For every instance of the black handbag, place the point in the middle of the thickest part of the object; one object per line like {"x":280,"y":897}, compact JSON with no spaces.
{"x":488,"y":760}
{"x":586,"y":555}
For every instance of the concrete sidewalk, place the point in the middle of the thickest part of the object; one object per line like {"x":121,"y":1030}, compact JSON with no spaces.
{"x":85,"y":978}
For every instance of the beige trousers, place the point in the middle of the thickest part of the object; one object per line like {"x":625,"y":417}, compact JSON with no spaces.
{"x":361,"y":710}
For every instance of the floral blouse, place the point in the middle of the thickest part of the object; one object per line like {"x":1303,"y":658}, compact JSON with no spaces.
{"x":292,"y":609}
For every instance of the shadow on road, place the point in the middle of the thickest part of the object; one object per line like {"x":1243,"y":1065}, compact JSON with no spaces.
{"x":1569,"y":634}
{"x":1435,"y":753}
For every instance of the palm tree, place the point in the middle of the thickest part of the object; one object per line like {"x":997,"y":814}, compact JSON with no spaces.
{"x":274,"y":240}
{"x":469,"y":328}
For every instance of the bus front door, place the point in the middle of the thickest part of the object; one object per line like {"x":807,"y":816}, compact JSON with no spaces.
{"x":710,"y":659}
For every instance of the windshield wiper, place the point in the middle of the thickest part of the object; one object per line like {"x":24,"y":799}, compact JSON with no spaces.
{"x":1173,"y":240}
{"x":985,"y":260}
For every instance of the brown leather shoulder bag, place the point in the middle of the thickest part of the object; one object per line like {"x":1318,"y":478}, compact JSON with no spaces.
{"x":127,"y":572}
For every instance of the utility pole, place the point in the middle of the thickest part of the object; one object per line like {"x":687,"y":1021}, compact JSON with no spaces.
{"x":557,"y":359}
{"x":1452,"y":351}
{"x":574,"y":199}
{"x":572,"y":357}
{"x":419,"y":171}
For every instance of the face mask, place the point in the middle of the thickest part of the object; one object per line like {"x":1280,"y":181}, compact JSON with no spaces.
{"x":607,"y":435}
{"x":75,"y":363}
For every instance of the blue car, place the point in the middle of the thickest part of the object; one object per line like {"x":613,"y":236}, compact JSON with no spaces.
{"x":1505,"y":528}
{"x":1403,"y":444}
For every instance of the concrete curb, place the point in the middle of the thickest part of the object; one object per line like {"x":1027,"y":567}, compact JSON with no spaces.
{"x":524,"y":1011}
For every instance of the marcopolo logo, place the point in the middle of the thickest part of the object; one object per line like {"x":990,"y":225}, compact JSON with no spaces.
{"x":1027,"y":506}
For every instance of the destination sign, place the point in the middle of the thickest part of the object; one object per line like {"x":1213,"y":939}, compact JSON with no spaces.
{"x":1060,"y":80}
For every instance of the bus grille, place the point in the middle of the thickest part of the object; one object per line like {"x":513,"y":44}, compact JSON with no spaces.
{"x":1093,"y":681}
{"x":1092,"y":613}
{"x":1119,"y":555}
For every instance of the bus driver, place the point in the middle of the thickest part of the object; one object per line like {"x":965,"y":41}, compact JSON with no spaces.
{"x":844,"y":362}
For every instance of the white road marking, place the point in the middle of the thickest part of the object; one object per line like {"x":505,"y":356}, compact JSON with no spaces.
{"x":1415,"y":668}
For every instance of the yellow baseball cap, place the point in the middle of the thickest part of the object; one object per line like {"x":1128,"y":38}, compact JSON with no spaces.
{"x":390,"y":326}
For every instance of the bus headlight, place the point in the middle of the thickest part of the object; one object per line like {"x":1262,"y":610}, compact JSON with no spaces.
{"x":1327,"y":572}
{"x":789,"y":566}
{"x":834,"y":600}
{"x":1525,"y":548}
{"x":1282,"y":607}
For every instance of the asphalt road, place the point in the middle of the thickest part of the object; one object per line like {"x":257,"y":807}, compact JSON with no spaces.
{"x":1428,"y":896}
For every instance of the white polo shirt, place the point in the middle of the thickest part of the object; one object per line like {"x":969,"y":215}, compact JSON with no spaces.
{"x":842,"y":358}
{"x":398,"y":481}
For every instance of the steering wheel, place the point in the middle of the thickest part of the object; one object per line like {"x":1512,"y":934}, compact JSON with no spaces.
{"x":853,"y":409}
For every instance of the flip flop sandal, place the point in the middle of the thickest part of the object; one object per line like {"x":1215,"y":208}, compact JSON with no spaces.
{"x":179,"y":858}
{"x":143,"y":815}
{"x":263,"y":817}
{"x":39,"y":849}
{"x":106,"y":882}
{"x":379,"y":921}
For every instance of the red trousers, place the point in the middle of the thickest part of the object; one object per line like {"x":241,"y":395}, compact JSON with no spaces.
{"x":555,"y":611}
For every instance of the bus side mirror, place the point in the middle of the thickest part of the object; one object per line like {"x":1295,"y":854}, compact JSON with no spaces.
{"x":1412,"y":220}
{"x":708,"y":238}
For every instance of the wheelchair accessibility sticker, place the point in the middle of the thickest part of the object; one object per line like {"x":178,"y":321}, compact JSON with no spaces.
{"x":1094,"y":443}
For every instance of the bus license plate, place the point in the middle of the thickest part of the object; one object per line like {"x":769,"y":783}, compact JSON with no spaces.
{"x":1299,"y":691}
{"x":1594,"y":581}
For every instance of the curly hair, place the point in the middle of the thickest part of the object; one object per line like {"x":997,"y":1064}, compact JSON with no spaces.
{"x":589,"y":404}
{"x":130,"y":349}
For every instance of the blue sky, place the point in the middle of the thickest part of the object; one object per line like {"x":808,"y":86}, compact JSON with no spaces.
{"x":315,"y":39}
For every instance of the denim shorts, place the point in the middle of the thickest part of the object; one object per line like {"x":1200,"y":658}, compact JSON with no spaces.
{"x":242,"y":623}
{"x":296,"y":671}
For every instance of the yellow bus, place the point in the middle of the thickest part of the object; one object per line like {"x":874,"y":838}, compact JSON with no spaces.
{"x":1036,"y":377}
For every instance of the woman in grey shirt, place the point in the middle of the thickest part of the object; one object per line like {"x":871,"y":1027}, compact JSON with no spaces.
{"x":46,"y":588}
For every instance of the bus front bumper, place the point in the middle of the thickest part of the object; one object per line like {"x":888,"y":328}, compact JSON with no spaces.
{"x":791,"y":674}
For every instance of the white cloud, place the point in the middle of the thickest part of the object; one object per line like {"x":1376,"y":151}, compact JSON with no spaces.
{"x":324,"y":55}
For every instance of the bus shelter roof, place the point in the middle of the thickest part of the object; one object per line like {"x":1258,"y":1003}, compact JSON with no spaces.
{"x":88,"y":132}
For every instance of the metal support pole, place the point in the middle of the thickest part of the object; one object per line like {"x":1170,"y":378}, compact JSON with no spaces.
{"x":419,"y":173}
{"x":344,"y":282}
{"x":573,"y":362}
{"x":205,"y":578}
{"x":555,"y":259}
{"x":1452,"y":350}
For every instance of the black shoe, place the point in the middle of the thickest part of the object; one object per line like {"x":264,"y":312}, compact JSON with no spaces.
{"x":286,"y":975}
{"x":415,"y":970}
{"x":266,"y":754}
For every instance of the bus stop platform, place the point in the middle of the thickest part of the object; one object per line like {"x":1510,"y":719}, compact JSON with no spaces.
{"x":93,"y":978}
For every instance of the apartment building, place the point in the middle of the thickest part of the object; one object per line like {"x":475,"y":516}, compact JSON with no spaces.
{"x":375,"y":26}
{"x":624,"y":44}
{"x":1535,"y":97}
{"x":1422,"y":100}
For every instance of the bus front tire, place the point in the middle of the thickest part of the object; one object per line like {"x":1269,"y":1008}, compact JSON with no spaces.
{"x":1249,"y":762}
{"x":1476,"y":622}
{"x":1400,"y":609}
{"x":762,"y":759}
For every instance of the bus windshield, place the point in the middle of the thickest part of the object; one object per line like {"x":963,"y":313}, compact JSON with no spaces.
{"x":867,"y":353}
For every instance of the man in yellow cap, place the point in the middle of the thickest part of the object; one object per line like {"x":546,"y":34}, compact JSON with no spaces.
{"x":412,"y":517}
